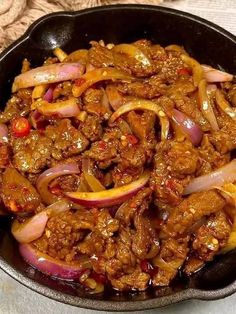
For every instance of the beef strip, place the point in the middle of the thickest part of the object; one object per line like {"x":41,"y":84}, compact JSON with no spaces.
{"x":175,"y":164}
{"x":172,"y":255}
{"x":212,"y":236}
{"x":191,"y":210}
{"x":67,"y":140}
{"x":32,"y":153}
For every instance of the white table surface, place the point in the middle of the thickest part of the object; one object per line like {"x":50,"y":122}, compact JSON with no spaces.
{"x":17,"y":299}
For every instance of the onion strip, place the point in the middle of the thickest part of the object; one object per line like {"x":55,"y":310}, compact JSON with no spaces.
{"x":110,"y":197}
{"x":219,"y":177}
{"x":98,"y":75}
{"x":196,"y":68}
{"x":50,"y":174}
{"x":205,"y":105}
{"x":144,"y":105}
{"x":133,"y":52}
{"x":52,"y":73}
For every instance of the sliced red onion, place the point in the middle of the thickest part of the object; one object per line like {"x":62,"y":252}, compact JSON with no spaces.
{"x":141,"y":104}
{"x":48,"y":96}
{"x":114,"y":97}
{"x":219,"y":177}
{"x":50,"y":174}
{"x":51,"y":266}
{"x":188,"y":126}
{"x":52,"y":73}
{"x":38,"y":121}
{"x":213,"y":75}
{"x":110,"y":197}
{"x":59,"y":207}
{"x":3,"y":133}
{"x":63,"y":109}
{"x":31,"y":229}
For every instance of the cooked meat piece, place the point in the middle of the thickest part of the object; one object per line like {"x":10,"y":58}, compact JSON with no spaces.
{"x":181,"y":87}
{"x":212,"y":236}
{"x":224,"y":140}
{"x":67,"y":140}
{"x":106,"y":151}
{"x":100,"y":56}
{"x":91,"y":128}
{"x":142,"y":125}
{"x":63,"y":233}
{"x":106,"y":225}
{"x":144,"y":89}
{"x":192,"y":209}
{"x":95,"y":103}
{"x":65,"y":183}
{"x":136,"y":280}
{"x":132,"y":156}
{"x":145,"y":240}
{"x":129,"y":64}
{"x":189,"y":106}
{"x":4,"y":155}
{"x":209,"y":158}
{"x":138,"y":203}
{"x":18,"y":194}
{"x":19,"y":104}
{"x":120,"y":176}
{"x":31,"y":153}
{"x":175,"y":163}
{"x":172,"y":256}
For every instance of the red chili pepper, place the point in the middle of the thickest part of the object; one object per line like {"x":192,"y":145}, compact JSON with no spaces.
{"x":102,"y":145}
{"x":80,"y":81}
{"x":183,"y":71}
{"x":20,"y":127}
{"x":132,"y":139}
{"x":146,"y":266}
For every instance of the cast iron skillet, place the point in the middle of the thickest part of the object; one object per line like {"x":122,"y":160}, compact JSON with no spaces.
{"x":207,"y":42}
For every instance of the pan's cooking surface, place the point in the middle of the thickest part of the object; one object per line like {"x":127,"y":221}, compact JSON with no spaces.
{"x":147,"y":22}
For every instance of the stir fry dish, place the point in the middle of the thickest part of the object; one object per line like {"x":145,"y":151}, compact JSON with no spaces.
{"x":117,"y":165}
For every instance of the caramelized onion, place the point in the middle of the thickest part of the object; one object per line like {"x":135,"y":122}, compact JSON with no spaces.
{"x":52,"y":73}
{"x":110,"y":197}
{"x":144,"y":105}
{"x":31,"y":229}
{"x":188,"y":126}
{"x":133,"y":52}
{"x":219,"y":177}
{"x":205,"y":105}
{"x":50,"y":174}
{"x":213,"y":75}
{"x":98,"y":75}
{"x":196,"y":68}
{"x":91,"y":180}
{"x":62,"y":109}
{"x":53,"y":267}
{"x":114,"y":97}
{"x":48,"y":96}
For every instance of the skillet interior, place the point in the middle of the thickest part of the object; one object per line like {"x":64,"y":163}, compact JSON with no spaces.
{"x":125,"y":23}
